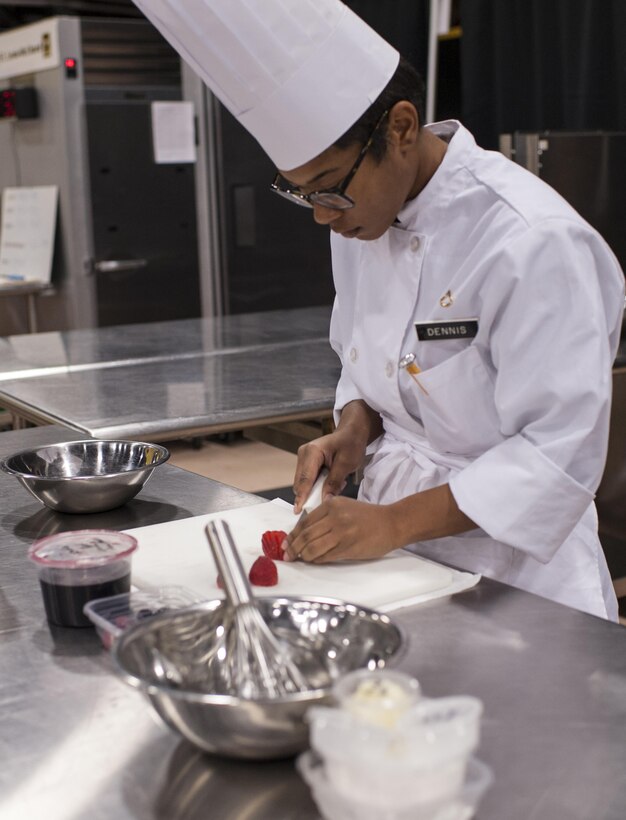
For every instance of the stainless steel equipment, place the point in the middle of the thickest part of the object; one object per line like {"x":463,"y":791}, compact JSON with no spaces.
{"x":554,"y":697}
{"x":166,"y":397}
{"x":85,"y":476}
{"x":256,"y":251}
{"x":166,"y":658}
{"x":127,"y":225}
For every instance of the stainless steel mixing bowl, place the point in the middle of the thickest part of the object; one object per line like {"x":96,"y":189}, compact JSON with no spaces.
{"x":86,"y":476}
{"x":179,"y":660}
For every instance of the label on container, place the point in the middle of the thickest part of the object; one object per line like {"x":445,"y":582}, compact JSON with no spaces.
{"x":82,"y":548}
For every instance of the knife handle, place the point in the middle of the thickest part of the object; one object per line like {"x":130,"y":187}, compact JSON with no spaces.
{"x":314,"y":498}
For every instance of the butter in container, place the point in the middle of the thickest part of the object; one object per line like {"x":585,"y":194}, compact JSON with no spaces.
{"x":111,"y":616}
{"x":377,"y":698}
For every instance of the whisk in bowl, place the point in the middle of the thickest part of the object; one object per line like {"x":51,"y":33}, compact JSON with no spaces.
{"x":259,"y":665}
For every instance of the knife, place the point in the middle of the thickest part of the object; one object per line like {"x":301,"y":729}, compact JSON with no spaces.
{"x":314,"y":499}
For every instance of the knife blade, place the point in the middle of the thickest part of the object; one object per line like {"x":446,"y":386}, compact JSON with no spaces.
{"x":314,"y":498}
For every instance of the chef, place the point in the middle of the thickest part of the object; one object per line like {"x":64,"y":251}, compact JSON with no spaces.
{"x":476,"y":316}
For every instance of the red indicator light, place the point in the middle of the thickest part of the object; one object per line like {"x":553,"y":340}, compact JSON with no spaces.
{"x":7,"y":104}
{"x":18,"y":103}
{"x":71,"y":67}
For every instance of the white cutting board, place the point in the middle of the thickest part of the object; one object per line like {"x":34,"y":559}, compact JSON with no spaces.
{"x":178,"y":553}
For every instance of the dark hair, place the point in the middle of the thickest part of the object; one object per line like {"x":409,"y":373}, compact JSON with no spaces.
{"x":405,"y":84}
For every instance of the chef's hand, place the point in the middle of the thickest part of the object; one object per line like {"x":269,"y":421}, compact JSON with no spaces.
{"x":339,"y":451}
{"x":342,"y":451}
{"x":342,"y":529}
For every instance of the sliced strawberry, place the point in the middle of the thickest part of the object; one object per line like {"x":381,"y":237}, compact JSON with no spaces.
{"x":271,"y":541}
{"x":263,"y":572}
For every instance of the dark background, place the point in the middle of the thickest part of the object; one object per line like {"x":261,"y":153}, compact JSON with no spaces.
{"x":525,"y":65}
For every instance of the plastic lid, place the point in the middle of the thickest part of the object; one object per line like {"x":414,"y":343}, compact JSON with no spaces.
{"x":117,"y":612}
{"x":82,"y":548}
{"x":379,"y":697}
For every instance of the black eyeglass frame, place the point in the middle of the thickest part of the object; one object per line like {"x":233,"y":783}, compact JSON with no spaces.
{"x":340,"y":200}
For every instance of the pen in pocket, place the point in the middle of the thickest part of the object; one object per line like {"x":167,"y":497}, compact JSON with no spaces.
{"x":409,"y":363}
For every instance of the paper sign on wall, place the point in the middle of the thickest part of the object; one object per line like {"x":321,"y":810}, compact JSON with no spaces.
{"x":31,"y":48}
{"x":173,"y":132}
{"x":27,"y":233}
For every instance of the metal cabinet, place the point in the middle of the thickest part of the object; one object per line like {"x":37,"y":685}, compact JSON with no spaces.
{"x":126,"y":247}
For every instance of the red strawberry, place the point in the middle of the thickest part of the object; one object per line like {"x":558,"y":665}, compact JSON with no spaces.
{"x":271,"y":542}
{"x":263,"y":572}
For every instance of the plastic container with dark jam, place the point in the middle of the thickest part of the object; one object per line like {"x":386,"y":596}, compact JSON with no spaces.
{"x":77,"y":567}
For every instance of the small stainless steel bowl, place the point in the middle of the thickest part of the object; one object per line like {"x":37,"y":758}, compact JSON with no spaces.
{"x":179,"y":661}
{"x":86,"y":476}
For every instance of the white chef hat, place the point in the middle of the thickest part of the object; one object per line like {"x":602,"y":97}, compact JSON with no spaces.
{"x":296,"y":73}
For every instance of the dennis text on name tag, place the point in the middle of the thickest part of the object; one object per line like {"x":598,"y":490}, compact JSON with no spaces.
{"x":443,"y":329}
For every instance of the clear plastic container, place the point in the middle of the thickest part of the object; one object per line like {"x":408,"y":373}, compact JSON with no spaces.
{"x":77,"y":567}
{"x":335,"y":805}
{"x":388,"y":746}
{"x":111,"y":616}
{"x":380,"y":697}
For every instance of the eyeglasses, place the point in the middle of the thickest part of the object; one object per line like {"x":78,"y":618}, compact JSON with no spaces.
{"x":336,"y":197}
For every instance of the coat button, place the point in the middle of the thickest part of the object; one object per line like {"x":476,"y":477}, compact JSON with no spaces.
{"x":354,"y":355}
{"x":414,"y":244}
{"x":390,"y":370}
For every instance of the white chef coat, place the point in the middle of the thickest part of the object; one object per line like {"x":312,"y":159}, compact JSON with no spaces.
{"x":516,"y":418}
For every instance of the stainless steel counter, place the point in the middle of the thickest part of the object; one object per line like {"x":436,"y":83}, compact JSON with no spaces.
{"x":76,"y":743}
{"x":160,"y":381}
{"x":33,"y":355}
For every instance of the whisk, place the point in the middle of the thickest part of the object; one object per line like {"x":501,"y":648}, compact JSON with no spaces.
{"x":260,"y":666}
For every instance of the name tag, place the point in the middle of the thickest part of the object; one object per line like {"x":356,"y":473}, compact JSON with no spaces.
{"x":443,"y":329}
